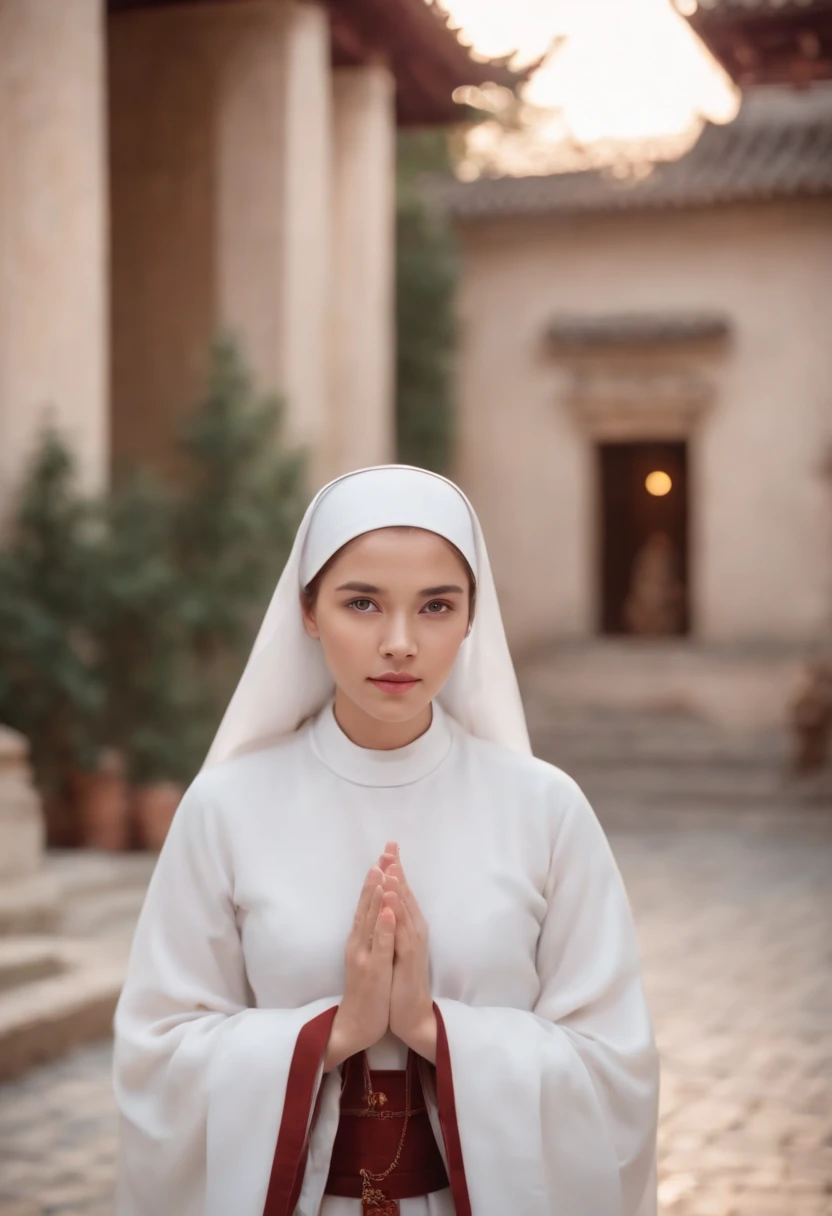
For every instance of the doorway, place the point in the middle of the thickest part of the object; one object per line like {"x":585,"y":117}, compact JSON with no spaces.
{"x":644,"y":538}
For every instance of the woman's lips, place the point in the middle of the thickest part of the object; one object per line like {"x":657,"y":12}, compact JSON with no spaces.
{"x":395,"y":684}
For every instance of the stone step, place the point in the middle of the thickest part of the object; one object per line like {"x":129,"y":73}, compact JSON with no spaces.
{"x":749,"y":687}
{"x":30,"y":904}
{"x":82,"y":871}
{"x":23,"y":960}
{"x":77,"y":893}
{"x":653,"y":735}
{"x":44,"y":1018}
{"x":664,"y":753}
{"x":680,"y":774}
{"x":101,"y":893}
{"x":648,"y":787}
{"x":110,"y":913}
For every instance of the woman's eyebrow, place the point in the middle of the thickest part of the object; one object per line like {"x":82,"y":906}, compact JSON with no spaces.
{"x":369,"y":589}
{"x":444,"y":589}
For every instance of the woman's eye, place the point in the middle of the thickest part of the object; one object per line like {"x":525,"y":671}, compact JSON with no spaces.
{"x":361,"y":605}
{"x":436,"y":607}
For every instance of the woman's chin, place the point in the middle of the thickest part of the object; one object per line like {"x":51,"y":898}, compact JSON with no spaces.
{"x":395,"y":707}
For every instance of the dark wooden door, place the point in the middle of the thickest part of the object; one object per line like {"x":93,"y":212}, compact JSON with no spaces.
{"x":644,"y":538}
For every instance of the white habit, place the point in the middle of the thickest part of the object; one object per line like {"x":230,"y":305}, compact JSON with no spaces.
{"x":534,"y":967}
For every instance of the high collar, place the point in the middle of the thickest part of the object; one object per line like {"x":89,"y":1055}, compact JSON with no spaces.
{"x":366,"y":766}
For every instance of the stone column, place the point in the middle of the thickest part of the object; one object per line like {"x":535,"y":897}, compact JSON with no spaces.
{"x":274,"y":164}
{"x":362,"y":338}
{"x":53,"y":233}
{"x":222,"y":128}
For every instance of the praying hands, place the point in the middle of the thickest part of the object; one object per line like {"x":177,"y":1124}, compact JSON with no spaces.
{"x":412,"y":1018}
{"x":387,"y":974}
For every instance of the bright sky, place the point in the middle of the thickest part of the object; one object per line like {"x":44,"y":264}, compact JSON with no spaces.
{"x":629,"y":69}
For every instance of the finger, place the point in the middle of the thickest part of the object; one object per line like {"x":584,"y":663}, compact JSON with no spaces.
{"x":390,"y":855}
{"x":384,"y":935}
{"x":396,"y":881}
{"x":397,"y":874}
{"x":403,"y":912}
{"x":375,"y":878}
{"x":405,"y":944}
{"x":398,"y":868}
{"x":392,"y":882}
{"x":367,"y":926}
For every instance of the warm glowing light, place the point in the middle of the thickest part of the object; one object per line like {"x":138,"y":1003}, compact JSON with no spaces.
{"x":626,"y":69}
{"x":658,"y":483}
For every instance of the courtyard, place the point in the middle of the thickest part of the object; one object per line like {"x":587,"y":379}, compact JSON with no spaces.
{"x":733,"y":911}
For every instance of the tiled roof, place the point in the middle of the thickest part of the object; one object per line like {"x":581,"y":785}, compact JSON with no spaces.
{"x":779,"y":146}
{"x":760,"y":6}
{"x":766,"y":41}
{"x":426,"y":54}
{"x":575,"y":332}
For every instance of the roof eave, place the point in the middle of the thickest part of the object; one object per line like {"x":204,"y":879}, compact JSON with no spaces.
{"x":763,"y":44}
{"x":424,"y":53}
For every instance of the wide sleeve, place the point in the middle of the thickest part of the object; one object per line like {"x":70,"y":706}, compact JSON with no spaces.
{"x":216,"y":1099}
{"x":553,"y":1112}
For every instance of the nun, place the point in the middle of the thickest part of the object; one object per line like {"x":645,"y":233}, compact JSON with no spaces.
{"x":386,"y":963}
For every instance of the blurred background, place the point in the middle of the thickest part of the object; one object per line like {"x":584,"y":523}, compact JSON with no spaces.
{"x":576,"y":254}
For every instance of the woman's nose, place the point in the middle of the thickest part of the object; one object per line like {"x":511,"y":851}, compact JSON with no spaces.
{"x":399,"y":640}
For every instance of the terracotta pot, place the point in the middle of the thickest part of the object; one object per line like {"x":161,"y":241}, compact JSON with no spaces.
{"x":154,"y":807}
{"x":101,"y":804}
{"x":61,"y":817}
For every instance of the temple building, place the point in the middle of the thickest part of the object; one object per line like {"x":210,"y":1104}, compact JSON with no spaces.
{"x":766,"y":41}
{"x":170,"y":170}
{"x":646,"y":376}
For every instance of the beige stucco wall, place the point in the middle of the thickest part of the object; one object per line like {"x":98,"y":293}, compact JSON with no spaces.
{"x":761,"y":506}
{"x":53,"y":233}
{"x":221,"y":162}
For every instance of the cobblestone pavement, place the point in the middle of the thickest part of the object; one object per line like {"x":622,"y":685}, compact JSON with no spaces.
{"x":734,"y":920}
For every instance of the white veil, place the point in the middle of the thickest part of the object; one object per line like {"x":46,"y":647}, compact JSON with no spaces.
{"x":286,"y":680}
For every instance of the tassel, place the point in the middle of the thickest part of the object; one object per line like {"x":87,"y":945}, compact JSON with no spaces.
{"x":376,"y":1203}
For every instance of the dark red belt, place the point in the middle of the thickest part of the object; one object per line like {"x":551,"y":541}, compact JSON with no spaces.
{"x":369,"y":1133}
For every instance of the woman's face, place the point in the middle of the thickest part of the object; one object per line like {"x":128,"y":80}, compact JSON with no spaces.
{"x":391,"y":613}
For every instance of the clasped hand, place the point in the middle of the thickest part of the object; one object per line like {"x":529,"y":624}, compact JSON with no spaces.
{"x":387,"y":982}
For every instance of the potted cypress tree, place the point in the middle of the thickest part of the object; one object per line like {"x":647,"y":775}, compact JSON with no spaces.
{"x":140,"y":630}
{"x":232,"y":531}
{"x":124,"y":623}
{"x":187,"y":574}
{"x":50,"y":685}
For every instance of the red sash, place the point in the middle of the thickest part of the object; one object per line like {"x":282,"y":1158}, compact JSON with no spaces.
{"x":370,"y":1142}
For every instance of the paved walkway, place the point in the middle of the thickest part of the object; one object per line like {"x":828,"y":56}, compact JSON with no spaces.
{"x":735,"y":920}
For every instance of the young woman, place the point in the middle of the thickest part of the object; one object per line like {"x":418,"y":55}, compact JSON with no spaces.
{"x":386,"y":962}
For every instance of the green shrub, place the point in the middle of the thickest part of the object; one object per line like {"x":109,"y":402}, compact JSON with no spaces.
{"x":426,"y":277}
{"x":50,"y":685}
{"x":125,"y":621}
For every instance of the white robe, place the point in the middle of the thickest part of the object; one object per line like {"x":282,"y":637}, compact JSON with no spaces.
{"x":534,"y":969}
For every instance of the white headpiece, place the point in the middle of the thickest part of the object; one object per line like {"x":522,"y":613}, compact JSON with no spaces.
{"x":286,"y":679}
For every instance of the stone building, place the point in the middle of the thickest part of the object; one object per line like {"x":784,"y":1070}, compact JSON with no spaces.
{"x":171,"y":168}
{"x":766,"y":41}
{"x":646,"y":375}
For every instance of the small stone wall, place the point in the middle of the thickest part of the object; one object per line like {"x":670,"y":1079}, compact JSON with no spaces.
{"x":28,"y":896}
